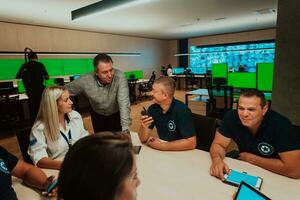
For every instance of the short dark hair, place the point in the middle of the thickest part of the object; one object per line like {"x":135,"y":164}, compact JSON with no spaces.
{"x":257,"y":93}
{"x":95,"y":167}
{"x":168,"y":83}
{"x":102,"y":57}
{"x":32,"y":55}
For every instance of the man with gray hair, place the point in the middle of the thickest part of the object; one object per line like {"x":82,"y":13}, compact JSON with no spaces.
{"x":172,"y":119}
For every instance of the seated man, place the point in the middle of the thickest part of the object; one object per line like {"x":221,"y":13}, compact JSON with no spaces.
{"x":172,"y":118}
{"x":31,"y":175}
{"x":264,"y":137}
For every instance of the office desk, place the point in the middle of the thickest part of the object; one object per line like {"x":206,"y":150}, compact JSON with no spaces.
{"x":204,"y":93}
{"x":183,"y":76}
{"x":185,"y":176}
{"x":199,"y":92}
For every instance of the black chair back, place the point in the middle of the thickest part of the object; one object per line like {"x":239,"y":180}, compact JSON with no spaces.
{"x":219,"y":81}
{"x":59,"y":81}
{"x":297,"y":131}
{"x":131,"y":85}
{"x":147,"y":87}
{"x":23,"y":139}
{"x":206,"y":129}
{"x":224,"y":94}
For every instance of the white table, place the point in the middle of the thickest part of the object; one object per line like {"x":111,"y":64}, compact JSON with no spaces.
{"x":185,"y":176}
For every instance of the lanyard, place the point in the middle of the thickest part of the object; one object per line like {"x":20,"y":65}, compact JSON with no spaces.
{"x":69,"y":141}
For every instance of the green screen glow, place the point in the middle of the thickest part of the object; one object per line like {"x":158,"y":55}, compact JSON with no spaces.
{"x":219,"y":70}
{"x":265,"y":73}
{"x":242,"y":79}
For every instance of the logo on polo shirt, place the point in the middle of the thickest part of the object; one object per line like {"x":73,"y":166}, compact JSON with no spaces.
{"x":265,"y":148}
{"x":3,"y":167}
{"x":171,"y":126}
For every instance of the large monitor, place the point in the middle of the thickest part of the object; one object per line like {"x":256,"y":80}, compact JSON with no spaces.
{"x":265,"y":72}
{"x":54,"y":66}
{"x":242,"y":80}
{"x":247,"y":54}
{"x":9,"y":68}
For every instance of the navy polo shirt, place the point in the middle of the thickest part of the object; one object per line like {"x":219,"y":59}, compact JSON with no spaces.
{"x":7,"y":164}
{"x":175,"y":124}
{"x":275,"y":134}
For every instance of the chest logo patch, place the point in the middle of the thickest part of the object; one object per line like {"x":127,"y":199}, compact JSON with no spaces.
{"x":3,"y":167}
{"x":265,"y":148}
{"x":171,"y":126}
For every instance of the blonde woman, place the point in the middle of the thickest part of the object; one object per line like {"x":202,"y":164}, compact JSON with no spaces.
{"x":56,"y":128}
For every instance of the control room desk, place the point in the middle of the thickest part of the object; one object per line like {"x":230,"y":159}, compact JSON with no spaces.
{"x":185,"y":176}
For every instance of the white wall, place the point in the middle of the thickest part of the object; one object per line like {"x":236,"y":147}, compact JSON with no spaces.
{"x":15,"y":37}
{"x":266,"y":34}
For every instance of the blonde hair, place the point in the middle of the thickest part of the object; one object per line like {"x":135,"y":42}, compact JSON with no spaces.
{"x":168,"y":83}
{"x":48,"y":112}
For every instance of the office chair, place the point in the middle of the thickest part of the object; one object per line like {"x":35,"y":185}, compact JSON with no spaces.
{"x":131,"y":85}
{"x":23,"y":140}
{"x":219,"y":81}
{"x":205,"y":129}
{"x":190,"y":80}
{"x":59,"y":81}
{"x":147,"y":87}
{"x":10,"y":112}
{"x":220,"y":100}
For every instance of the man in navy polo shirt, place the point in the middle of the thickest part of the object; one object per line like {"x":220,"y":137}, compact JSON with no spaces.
{"x":264,"y":137}
{"x":31,"y":175}
{"x":172,"y":119}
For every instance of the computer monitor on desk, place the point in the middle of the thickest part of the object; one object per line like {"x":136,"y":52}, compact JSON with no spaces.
{"x":74,"y":77}
{"x":7,"y":88}
{"x":177,"y":70}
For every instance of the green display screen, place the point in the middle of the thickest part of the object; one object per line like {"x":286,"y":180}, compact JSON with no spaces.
{"x":9,"y":68}
{"x":75,"y":66}
{"x":54,"y":66}
{"x":21,"y":88}
{"x":242,"y":80}
{"x":138,"y":74}
{"x":219,"y":70}
{"x":265,"y":72}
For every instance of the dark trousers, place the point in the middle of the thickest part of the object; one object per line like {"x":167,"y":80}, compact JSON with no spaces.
{"x":106,"y":123}
{"x":34,"y":100}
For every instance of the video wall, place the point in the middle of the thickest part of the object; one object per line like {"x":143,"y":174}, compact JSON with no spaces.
{"x":247,"y":55}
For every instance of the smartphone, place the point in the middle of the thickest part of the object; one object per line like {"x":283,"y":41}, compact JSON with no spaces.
{"x":235,"y":178}
{"x":52,"y":186}
{"x":246,"y":192}
{"x":136,"y":149}
{"x":144,"y":111}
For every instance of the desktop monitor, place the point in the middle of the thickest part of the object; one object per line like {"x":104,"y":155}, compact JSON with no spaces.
{"x":197,"y":70}
{"x":6,"y":88}
{"x":219,"y":71}
{"x":21,"y":88}
{"x":177,"y":70}
{"x":265,"y":72}
{"x":242,"y":80}
{"x":138,"y":74}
